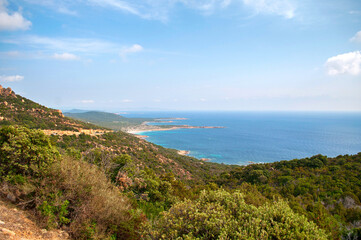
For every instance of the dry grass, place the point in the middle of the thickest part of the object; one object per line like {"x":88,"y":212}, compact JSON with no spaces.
{"x":97,"y":209}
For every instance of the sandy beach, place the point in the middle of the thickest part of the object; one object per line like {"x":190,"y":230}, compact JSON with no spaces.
{"x":183,"y":152}
{"x":151,"y":128}
{"x":145,"y":127}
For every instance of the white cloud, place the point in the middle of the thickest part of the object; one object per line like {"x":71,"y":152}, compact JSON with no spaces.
{"x":347,"y":63}
{"x":357,"y":37}
{"x":10,"y":54}
{"x":117,"y":4}
{"x":65,"y":56}
{"x":60,"y":6}
{"x":11,"y":21}
{"x":161,"y":9}
{"x":70,"y":48}
{"x":87,"y":101}
{"x":127,"y":100}
{"x":132,"y":49}
{"x":279,"y":7}
{"x":77,"y":45}
{"x":15,"y":78}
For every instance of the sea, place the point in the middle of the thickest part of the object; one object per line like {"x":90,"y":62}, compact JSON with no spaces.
{"x":259,"y":137}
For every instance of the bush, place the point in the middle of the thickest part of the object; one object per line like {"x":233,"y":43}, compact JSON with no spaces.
{"x":222,"y":215}
{"x":78,"y":196}
{"x":24,"y":152}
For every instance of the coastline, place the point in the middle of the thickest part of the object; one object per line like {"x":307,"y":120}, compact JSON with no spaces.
{"x":139,"y":131}
{"x":152,"y":128}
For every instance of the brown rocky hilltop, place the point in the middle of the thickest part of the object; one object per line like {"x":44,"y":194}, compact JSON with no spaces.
{"x":6,"y":92}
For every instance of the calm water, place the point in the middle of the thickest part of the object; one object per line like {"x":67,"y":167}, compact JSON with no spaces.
{"x":260,"y":137}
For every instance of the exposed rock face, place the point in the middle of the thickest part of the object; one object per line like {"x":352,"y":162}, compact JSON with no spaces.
{"x":60,"y":113}
{"x":7,"y":92}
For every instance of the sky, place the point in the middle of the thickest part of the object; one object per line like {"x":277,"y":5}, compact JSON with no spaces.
{"x":236,"y":55}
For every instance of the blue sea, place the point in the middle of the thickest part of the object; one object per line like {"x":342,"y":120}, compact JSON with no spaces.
{"x":259,"y":137}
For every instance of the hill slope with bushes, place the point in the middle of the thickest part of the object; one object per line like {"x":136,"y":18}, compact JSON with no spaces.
{"x":116,"y":186}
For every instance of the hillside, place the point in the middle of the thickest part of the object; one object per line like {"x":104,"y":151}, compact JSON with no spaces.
{"x":326,"y":190}
{"x":17,"y":110}
{"x":107,"y":120}
{"x":101,"y":184}
{"x":87,"y":139}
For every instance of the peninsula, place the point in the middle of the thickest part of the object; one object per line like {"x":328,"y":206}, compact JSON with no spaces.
{"x":145,"y":127}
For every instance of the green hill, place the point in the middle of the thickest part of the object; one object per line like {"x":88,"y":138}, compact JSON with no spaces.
{"x":107,"y":120}
{"x":17,"y":110}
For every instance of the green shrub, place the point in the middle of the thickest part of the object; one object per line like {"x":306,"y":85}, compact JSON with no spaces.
{"x":56,"y":215}
{"x":24,"y":152}
{"x":222,"y":215}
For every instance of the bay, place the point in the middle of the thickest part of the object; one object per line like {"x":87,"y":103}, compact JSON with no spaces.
{"x":258,"y":137}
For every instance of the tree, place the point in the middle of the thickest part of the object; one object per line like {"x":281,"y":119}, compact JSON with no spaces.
{"x":223,"y":215}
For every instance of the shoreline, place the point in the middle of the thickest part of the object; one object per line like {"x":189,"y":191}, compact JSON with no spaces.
{"x":145,"y":127}
{"x":186,"y":153}
{"x":153,"y":128}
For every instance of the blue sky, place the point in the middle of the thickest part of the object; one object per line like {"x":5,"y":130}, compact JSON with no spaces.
{"x":119,"y":55}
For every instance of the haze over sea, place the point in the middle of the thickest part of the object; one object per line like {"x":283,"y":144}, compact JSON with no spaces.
{"x":260,"y":136}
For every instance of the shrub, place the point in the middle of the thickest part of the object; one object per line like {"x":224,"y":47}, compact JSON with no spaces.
{"x":222,"y":215}
{"x":24,"y":152}
{"x":79,"y":191}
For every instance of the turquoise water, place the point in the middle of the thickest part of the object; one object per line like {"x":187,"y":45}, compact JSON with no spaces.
{"x":260,"y":136}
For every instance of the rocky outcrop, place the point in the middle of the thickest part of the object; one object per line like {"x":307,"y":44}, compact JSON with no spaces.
{"x":60,"y":113}
{"x":6,"y":92}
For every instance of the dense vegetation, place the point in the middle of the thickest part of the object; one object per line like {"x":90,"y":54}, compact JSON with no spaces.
{"x":223,"y":215}
{"x":116,"y":186}
{"x":326,"y":190}
{"x":15,"y":109}
{"x":108,"y":120}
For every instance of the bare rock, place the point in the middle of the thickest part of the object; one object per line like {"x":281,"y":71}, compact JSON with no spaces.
{"x":11,"y":197}
{"x":7,"y":92}
{"x":7,"y":232}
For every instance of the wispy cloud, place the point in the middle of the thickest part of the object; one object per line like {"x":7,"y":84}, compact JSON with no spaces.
{"x":11,"y":21}
{"x":161,"y":9}
{"x":15,"y":78}
{"x":127,"y":100}
{"x":347,"y":63}
{"x":77,"y":45}
{"x":10,"y":54}
{"x":87,"y":101}
{"x":283,"y":8}
{"x":129,"y":50}
{"x":117,"y":4}
{"x":61,"y":6}
{"x":357,"y":37}
{"x":65,"y":56}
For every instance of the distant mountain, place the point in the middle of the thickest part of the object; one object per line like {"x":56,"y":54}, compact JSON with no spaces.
{"x":76,"y":111}
{"x":108,"y":120}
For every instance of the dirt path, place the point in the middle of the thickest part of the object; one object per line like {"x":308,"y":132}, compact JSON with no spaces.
{"x":16,"y":225}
